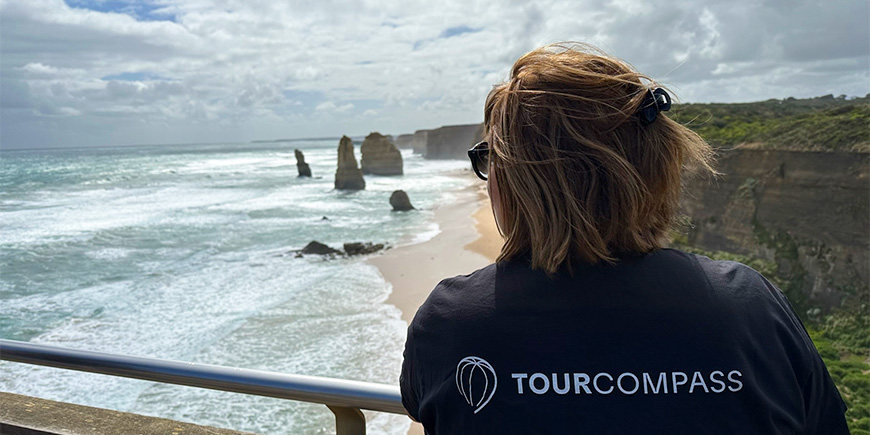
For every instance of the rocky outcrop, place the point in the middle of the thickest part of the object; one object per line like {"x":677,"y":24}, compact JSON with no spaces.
{"x":318,"y":248}
{"x":808,"y":212}
{"x":358,"y":248}
{"x":405,"y":141}
{"x":419,"y":142}
{"x":452,"y":141}
{"x":400,"y":201}
{"x":379,"y":156}
{"x":301,"y":166}
{"x":350,"y":249}
{"x":348,"y":176}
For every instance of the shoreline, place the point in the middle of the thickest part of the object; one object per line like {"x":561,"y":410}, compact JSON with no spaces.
{"x":467,"y":241}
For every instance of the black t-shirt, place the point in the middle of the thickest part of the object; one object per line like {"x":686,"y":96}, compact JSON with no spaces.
{"x":663,"y":343}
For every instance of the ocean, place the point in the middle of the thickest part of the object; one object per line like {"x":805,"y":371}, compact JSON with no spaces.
{"x":185,"y":252}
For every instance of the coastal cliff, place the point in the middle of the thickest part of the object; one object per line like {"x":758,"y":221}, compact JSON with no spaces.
{"x":808,"y":213}
{"x":452,"y":141}
{"x":418,"y":142}
{"x":405,"y":141}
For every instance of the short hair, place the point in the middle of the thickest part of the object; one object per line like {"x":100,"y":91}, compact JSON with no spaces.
{"x":580,"y":178}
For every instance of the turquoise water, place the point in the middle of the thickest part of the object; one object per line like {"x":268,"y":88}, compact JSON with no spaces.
{"x":184,"y":253}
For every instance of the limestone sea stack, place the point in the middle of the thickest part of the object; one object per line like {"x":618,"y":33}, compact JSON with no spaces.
{"x":347,"y":175}
{"x":379,"y":156}
{"x":304,"y":169}
{"x":400,"y":201}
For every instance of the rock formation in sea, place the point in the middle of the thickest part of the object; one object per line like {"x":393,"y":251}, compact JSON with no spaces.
{"x":348,"y":176}
{"x":318,"y":248}
{"x":357,"y":248}
{"x":379,"y":156}
{"x":350,"y":249}
{"x":400,"y":201}
{"x":404,"y":141}
{"x":304,"y":169}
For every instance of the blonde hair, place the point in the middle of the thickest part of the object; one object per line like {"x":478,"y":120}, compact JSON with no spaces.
{"x":580,"y":178}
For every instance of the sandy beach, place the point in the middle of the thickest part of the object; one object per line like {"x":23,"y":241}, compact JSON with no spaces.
{"x":468,"y":240}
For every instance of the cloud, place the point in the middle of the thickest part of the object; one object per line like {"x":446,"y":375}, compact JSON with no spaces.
{"x":91,"y":72}
{"x":344,"y":108}
{"x":458,"y":30}
{"x":329,"y":106}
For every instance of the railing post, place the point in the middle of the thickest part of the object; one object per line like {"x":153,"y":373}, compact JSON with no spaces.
{"x":348,"y":421}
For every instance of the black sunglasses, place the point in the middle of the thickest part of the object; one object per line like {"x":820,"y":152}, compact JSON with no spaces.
{"x":479,"y":156}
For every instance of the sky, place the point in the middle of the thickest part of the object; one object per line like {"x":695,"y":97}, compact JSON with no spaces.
{"x":79,"y":73}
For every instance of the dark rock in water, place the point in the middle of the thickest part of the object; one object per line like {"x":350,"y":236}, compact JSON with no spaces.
{"x":357,"y":248}
{"x":379,"y":156}
{"x":324,"y":218}
{"x":304,"y":169}
{"x":318,"y":248}
{"x":348,"y":176}
{"x":400,"y":201}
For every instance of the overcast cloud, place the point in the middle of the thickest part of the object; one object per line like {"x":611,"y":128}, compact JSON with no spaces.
{"x":118,"y":72}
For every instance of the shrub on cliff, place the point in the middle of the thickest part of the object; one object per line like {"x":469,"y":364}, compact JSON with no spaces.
{"x":815,"y":124}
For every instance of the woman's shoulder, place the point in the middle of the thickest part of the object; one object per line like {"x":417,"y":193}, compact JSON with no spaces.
{"x":471,"y":292}
{"x":719,"y":273}
{"x":744,"y":290}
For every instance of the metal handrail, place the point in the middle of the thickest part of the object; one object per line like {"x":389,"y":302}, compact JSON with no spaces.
{"x":344,"y":397}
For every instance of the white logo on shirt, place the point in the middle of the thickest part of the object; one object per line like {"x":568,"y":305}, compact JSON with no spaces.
{"x":477,"y":397}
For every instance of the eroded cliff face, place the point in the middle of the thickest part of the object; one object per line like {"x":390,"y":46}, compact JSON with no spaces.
{"x":379,"y":156}
{"x":418,"y":143}
{"x":405,"y":141}
{"x":809,"y":212}
{"x":452,"y":141}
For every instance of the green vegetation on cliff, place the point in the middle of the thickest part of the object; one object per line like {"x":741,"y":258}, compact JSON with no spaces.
{"x":815,"y":124}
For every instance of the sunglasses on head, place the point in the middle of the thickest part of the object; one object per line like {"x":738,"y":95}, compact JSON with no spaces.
{"x":479,"y":156}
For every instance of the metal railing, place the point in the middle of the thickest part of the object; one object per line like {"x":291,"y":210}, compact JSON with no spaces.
{"x":344,"y":398}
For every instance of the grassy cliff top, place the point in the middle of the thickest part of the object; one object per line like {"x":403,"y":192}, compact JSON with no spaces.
{"x":825,"y":123}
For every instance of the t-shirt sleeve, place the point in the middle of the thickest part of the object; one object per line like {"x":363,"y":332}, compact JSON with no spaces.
{"x":825,"y":409}
{"x":407,"y":379}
